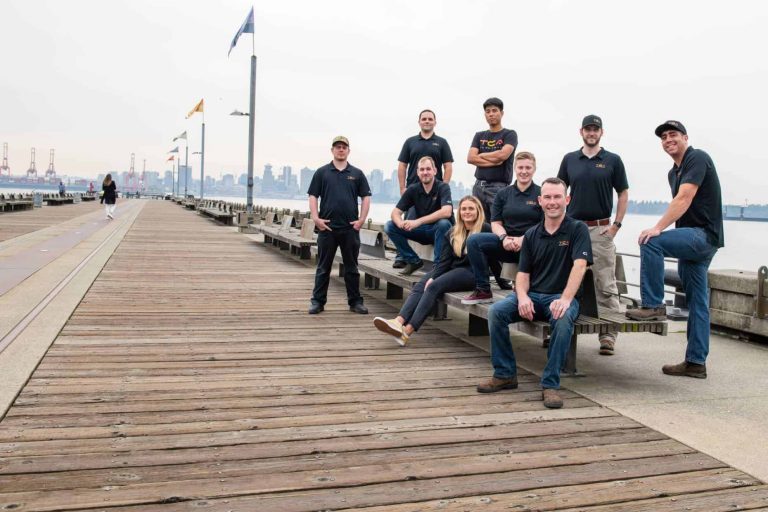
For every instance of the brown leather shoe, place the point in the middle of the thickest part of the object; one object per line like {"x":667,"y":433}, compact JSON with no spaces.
{"x":686,"y":369}
{"x":494,"y":384}
{"x":551,"y":398}
{"x":659,"y":313}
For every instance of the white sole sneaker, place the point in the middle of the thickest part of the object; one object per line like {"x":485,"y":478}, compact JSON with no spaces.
{"x":401,"y":340}
{"x":390,"y":327}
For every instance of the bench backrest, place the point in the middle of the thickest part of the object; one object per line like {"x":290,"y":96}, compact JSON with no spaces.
{"x":287,"y":222}
{"x":372,"y":243}
{"x":269,"y":218}
{"x":307,"y":229}
{"x":425,"y":252}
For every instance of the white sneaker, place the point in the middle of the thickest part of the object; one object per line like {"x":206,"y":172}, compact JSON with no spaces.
{"x":402,"y":340}
{"x":391,"y":327}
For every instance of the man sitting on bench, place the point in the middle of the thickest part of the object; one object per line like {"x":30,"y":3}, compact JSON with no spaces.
{"x":431,"y":200}
{"x":553,"y":260}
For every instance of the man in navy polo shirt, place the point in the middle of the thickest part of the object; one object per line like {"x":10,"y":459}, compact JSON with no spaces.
{"x":553,"y":261}
{"x":697,"y":211}
{"x":492,"y":153}
{"x":338,"y":185}
{"x":592,"y":173}
{"x":431,"y":200}
{"x":426,"y":143}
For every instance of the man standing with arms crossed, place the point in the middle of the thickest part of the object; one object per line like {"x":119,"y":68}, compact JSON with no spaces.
{"x":425,"y":143}
{"x":492,"y":152}
{"x":697,"y":211}
{"x":592,"y":173}
{"x":553,"y":261}
{"x":338,"y":185}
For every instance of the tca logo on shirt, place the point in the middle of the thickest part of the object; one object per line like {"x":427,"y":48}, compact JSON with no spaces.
{"x":532,"y":203}
{"x":563,"y":243}
{"x":489,"y":143}
{"x":436,"y":144}
{"x":351,"y":178}
{"x":600,"y":165}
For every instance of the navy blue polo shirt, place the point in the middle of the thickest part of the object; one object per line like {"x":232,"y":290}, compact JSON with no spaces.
{"x":706,"y":210}
{"x":517,"y":210}
{"x":416,"y":147}
{"x":338,"y":191}
{"x":425,"y":203}
{"x":592,"y":182}
{"x":487,"y":141}
{"x":549,"y":258}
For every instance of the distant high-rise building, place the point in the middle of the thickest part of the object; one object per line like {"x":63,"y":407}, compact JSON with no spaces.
{"x":168,"y":180}
{"x":306,"y":178}
{"x":286,"y":177}
{"x":268,"y":183}
{"x":243,"y":180}
{"x":185,"y":179}
{"x":228,"y":181}
{"x":377,"y":180}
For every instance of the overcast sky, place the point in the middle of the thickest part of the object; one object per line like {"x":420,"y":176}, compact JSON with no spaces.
{"x":98,"y":80}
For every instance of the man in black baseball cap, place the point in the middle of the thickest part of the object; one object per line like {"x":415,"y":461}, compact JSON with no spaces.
{"x":697,"y":211}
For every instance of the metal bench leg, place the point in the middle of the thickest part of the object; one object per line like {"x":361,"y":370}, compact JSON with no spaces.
{"x":478,"y":326}
{"x":370,"y":282}
{"x":304,"y":252}
{"x":569,"y":368}
{"x":394,"y":291}
{"x":440,"y":311}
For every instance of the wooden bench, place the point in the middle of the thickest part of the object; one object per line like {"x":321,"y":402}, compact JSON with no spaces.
{"x":15,"y":202}
{"x":224,"y":216}
{"x":288,"y":238}
{"x":58,"y":200}
{"x":88,"y":197}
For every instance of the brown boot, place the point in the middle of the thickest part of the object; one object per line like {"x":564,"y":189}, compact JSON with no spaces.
{"x":686,"y":369}
{"x":495,"y":384}
{"x":659,"y":313}
{"x":552,"y":399}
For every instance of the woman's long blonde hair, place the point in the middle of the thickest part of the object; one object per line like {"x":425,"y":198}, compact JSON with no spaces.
{"x":107,"y":180}
{"x":460,"y":233}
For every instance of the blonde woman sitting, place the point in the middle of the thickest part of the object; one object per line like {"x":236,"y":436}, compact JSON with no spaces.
{"x":451,"y":274}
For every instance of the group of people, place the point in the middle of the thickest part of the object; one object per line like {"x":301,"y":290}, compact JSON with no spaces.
{"x":552,"y":231}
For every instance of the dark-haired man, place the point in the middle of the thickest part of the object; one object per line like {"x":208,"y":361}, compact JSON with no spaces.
{"x":697,"y":211}
{"x":492,"y":153}
{"x":425,"y":143}
{"x":338,"y":185}
{"x":553,"y":261}
{"x":592,"y":173}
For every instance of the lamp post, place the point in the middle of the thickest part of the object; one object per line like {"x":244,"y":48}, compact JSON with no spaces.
{"x":201,"y":174}
{"x":249,"y":193}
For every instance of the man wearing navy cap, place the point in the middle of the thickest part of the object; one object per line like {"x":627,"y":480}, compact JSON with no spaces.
{"x":592,"y":174}
{"x":697,"y":211}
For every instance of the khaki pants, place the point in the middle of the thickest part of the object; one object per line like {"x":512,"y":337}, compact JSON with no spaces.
{"x":604,"y":270}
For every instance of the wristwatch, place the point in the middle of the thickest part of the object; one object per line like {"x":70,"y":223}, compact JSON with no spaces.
{"x":502,"y":237}
{"x":617,"y":223}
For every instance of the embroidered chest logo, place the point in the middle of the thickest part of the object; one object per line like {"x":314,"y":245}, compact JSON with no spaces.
{"x":532,"y":203}
{"x":563,"y":243}
{"x":351,"y":178}
{"x":600,"y":165}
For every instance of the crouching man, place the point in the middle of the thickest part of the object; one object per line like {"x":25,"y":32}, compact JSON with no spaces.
{"x":553,"y":259}
{"x":431,"y":199}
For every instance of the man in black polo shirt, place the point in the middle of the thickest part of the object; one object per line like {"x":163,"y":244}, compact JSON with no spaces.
{"x":593,"y":174}
{"x":492,"y":152}
{"x":426,"y":143}
{"x":553,"y":260}
{"x":338,"y":185}
{"x":431,"y":200}
{"x":697,"y":211}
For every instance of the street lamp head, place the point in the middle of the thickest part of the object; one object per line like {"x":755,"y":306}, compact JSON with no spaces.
{"x":238,"y":113}
{"x":197,"y":152}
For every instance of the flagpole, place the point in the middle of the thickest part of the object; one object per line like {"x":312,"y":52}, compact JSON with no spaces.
{"x":186,"y":166}
{"x":173,"y":177}
{"x":202,"y":163}
{"x":251,"y":120}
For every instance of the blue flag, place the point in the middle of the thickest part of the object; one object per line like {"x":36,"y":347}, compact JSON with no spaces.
{"x":245,"y":28}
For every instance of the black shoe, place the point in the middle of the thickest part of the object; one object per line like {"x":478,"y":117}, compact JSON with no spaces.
{"x":314,"y":309}
{"x":504,"y":284}
{"x":410,"y":268}
{"x":359,"y":308}
{"x":399,"y":264}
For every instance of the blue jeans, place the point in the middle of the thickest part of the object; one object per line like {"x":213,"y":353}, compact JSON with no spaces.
{"x":694,"y":254}
{"x":482,"y":247}
{"x":505,"y":312}
{"x":425,"y":234}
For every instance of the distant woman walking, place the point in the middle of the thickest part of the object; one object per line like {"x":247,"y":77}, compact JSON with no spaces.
{"x":109,"y":196}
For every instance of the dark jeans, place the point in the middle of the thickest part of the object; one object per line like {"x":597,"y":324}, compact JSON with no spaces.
{"x":419,"y":303}
{"x":505,"y":312}
{"x":486,"y":192}
{"x":327,"y":243}
{"x":694,"y":253}
{"x":425,"y":234}
{"x":485,"y":248}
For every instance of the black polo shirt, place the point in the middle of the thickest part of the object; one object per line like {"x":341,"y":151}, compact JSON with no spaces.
{"x":487,"y":141}
{"x":517,"y":210}
{"x":592,"y":182}
{"x":549,"y":258}
{"x":416,"y":147}
{"x":425,"y":203}
{"x":706,"y":210}
{"x":338,"y":192}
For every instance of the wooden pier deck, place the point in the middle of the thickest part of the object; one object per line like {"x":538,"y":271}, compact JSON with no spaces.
{"x":191,"y":378}
{"x":13,"y":224}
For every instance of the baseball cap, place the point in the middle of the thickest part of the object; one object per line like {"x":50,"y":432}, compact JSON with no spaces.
{"x":670,"y":125}
{"x":340,"y":138}
{"x":592,"y":120}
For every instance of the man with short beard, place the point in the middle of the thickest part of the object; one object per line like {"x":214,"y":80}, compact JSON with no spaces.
{"x":592,"y":173}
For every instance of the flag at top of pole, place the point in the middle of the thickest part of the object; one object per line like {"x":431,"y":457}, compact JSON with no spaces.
{"x":245,"y":28}
{"x":200,"y":107}
{"x":182,"y":136}
{"x":174,"y":150}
